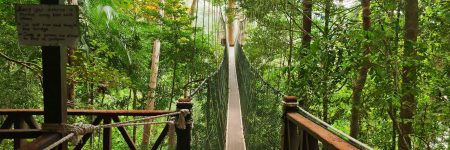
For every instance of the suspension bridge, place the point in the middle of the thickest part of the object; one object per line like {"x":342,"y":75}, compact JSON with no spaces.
{"x":234,"y":118}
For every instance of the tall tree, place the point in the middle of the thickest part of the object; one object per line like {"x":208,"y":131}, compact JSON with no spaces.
{"x":230,"y":20}
{"x":306,"y":37}
{"x":327,"y":62}
{"x":193,"y":8}
{"x":153,"y":82}
{"x":291,"y":45}
{"x":408,"y":102}
{"x":70,"y":62}
{"x":307,"y":14}
{"x":360,"y":81}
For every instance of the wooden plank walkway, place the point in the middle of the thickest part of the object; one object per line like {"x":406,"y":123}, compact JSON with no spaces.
{"x":234,"y":133}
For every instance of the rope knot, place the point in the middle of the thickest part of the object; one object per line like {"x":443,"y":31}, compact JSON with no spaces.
{"x":181,"y":122}
{"x":80,"y":129}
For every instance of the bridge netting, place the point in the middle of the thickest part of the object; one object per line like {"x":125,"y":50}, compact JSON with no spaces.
{"x":210,"y":109}
{"x":260,"y":103}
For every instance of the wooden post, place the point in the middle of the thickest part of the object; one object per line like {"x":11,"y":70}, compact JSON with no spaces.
{"x":309,"y":142}
{"x":54,"y":60}
{"x":184,"y":135}
{"x":125,"y":135}
{"x":161,"y":137}
{"x":289,"y":130}
{"x":55,"y":98}
{"x":107,"y":134}
{"x":19,"y":124}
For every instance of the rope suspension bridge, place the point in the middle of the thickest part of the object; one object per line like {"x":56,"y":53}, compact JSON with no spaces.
{"x":228,"y":115}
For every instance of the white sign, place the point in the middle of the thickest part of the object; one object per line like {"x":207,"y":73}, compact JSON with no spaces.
{"x":47,"y":25}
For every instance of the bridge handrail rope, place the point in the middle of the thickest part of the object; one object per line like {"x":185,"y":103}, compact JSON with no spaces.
{"x":78,"y":129}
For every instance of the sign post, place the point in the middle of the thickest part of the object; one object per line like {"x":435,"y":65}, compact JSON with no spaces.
{"x":53,"y":26}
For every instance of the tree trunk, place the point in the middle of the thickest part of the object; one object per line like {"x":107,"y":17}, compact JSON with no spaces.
{"x":193,"y":7}
{"x":360,"y":81}
{"x":325,"y":99}
{"x":230,"y":21}
{"x":134,"y":108}
{"x":307,"y":14}
{"x":291,"y":47}
{"x":409,"y":75}
{"x":174,"y":78}
{"x":70,"y":63}
{"x":152,"y":84}
{"x":306,"y":42}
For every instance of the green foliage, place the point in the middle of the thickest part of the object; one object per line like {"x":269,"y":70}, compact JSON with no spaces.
{"x":259,"y":106}
{"x":324,"y":71}
{"x":210,"y":111}
{"x":111,"y":64}
{"x":20,"y":79}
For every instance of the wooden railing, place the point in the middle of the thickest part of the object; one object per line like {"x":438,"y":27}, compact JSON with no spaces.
{"x":302,"y":133}
{"x":20,"y":125}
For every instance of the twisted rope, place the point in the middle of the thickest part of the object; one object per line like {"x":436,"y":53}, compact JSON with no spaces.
{"x":78,"y":129}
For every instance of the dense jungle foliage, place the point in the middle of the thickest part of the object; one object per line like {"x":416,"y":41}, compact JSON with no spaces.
{"x":324,"y":70}
{"x":377,"y":70}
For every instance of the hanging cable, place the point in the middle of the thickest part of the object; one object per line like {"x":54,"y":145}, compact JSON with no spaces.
{"x":209,"y":21}
{"x":203,"y":22}
{"x":195,"y":25}
{"x":192,"y":59}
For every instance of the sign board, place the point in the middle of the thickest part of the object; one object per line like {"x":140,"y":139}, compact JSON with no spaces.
{"x":47,"y":25}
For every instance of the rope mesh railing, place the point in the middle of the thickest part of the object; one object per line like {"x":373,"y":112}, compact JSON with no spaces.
{"x":210,"y":108}
{"x":260,"y":103}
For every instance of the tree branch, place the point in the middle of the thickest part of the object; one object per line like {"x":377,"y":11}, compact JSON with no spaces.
{"x":25,"y":64}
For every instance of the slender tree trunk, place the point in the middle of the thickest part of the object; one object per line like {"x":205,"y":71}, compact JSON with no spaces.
{"x":307,"y":14}
{"x":230,"y":21}
{"x":174,"y":78}
{"x":193,"y":7}
{"x":306,"y":41}
{"x":70,"y":63}
{"x":71,"y":76}
{"x":291,"y":47}
{"x":409,"y":74}
{"x":152,"y":85}
{"x":192,"y":13}
{"x":393,"y":71}
{"x":360,"y":81}
{"x":134,"y":108}
{"x":327,"y":61}
{"x":91,"y":93}
{"x":392,"y":114}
